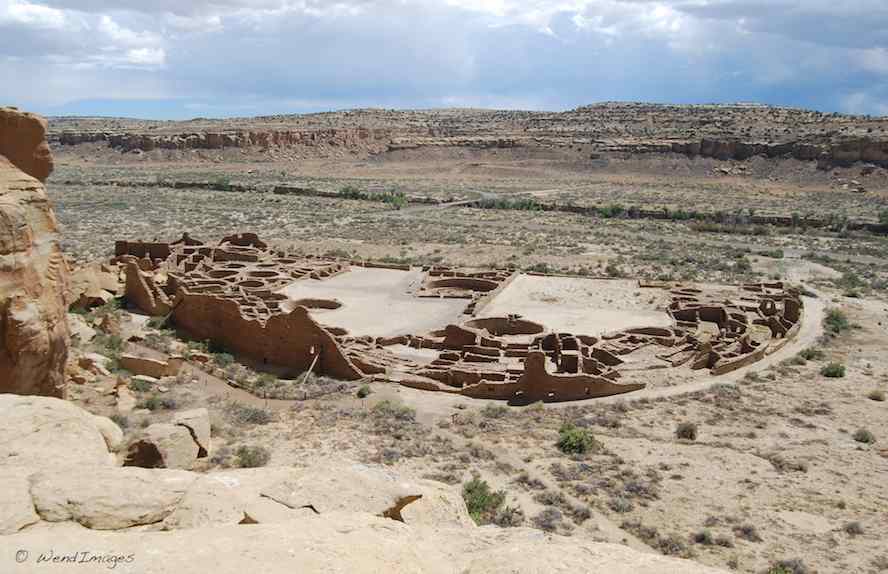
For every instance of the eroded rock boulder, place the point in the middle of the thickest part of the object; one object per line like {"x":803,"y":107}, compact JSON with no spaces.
{"x":92,"y":285}
{"x":112,"y":433}
{"x":156,"y":368}
{"x":108,"y":498}
{"x":33,"y":273}
{"x":16,"y":509}
{"x":197,"y":421}
{"x":42,"y":432}
{"x":163,"y":445}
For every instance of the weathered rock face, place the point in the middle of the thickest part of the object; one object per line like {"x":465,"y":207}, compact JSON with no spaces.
{"x":23,"y":142}
{"x":33,"y":273}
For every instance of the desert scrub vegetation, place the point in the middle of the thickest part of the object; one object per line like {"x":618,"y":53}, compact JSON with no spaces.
{"x":392,"y":410}
{"x":549,"y":519}
{"x":247,"y":456}
{"x":494,"y":411}
{"x":747,"y":532}
{"x":833,"y":370}
{"x":487,"y":506}
{"x":811,"y":354}
{"x":864,"y":436}
{"x":576,"y":440}
{"x":686,"y":431}
{"x":836,"y":321}
{"x":854,"y":528}
{"x":244,"y":414}
{"x":876,"y":395}
{"x":793,"y":566}
{"x":155,"y":403}
{"x":670,"y":544}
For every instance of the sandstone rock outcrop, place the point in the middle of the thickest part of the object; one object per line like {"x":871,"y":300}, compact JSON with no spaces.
{"x":163,"y":445}
{"x":197,"y":421}
{"x":225,"y":521}
{"x":92,"y":285}
{"x":33,"y":273}
{"x":44,"y":432}
{"x":156,"y":368}
{"x":108,"y":498}
{"x":23,"y":142}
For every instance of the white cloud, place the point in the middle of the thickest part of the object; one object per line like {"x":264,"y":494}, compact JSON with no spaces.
{"x":32,"y":15}
{"x":146,"y":56}
{"x":864,"y":103}
{"x":122,"y":36}
{"x":874,"y":60}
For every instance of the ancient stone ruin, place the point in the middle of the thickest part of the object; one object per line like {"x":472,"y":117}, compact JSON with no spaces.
{"x":279,"y":308}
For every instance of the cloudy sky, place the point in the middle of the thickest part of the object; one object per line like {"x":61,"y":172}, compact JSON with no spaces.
{"x":182,"y":59}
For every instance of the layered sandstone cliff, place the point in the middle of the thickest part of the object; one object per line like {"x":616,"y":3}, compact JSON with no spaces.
{"x":736,"y":132}
{"x":33,"y":273}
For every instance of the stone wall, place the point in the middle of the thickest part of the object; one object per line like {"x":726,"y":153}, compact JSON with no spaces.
{"x":291,"y":339}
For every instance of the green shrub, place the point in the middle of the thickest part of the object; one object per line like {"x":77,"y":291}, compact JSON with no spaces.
{"x":864,"y":436}
{"x":833,"y":371}
{"x":481,"y":502}
{"x":811,"y":354}
{"x":576,"y":440}
{"x":251,"y":456}
{"x":110,"y":342}
{"x":151,"y":403}
{"x":620,"y":504}
{"x":154,"y":403}
{"x":686,"y":431}
{"x":794,"y":566}
{"x":836,"y":321}
{"x":157,"y":322}
{"x":223,"y":359}
{"x":364,"y":392}
{"x":140,"y":386}
{"x":704,"y":537}
{"x":508,"y":517}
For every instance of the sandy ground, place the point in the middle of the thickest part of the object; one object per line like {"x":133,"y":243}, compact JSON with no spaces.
{"x":378,"y":302}
{"x":581,"y":306}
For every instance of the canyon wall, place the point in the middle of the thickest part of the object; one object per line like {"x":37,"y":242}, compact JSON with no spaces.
{"x":723,"y":132}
